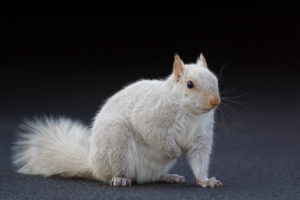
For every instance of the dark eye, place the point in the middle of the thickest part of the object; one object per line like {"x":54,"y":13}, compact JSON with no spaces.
{"x":190,"y":84}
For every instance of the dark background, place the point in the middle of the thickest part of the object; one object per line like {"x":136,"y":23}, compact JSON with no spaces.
{"x":68,"y":65}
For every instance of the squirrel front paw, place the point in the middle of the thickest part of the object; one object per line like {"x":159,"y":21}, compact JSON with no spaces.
{"x":211,"y":182}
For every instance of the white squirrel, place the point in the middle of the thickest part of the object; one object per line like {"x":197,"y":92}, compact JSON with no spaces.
{"x":136,"y":137}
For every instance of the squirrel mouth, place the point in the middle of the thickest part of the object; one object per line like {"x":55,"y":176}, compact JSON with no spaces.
{"x":206,"y":109}
{"x":202,"y":110}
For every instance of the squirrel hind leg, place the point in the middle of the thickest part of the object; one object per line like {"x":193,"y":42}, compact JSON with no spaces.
{"x":120,"y":182}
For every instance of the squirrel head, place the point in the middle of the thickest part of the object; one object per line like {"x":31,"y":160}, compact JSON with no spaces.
{"x":195,"y":86}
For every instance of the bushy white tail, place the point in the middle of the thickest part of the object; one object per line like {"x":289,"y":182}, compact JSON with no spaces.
{"x":50,"y":146}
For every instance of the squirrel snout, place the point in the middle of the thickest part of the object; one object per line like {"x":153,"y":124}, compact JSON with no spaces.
{"x":215,"y":101}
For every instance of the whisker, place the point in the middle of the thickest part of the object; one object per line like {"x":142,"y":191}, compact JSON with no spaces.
{"x":222,"y":117}
{"x":232,"y":110}
{"x":239,"y":96}
{"x":234,"y":102}
{"x":230,"y":100}
{"x":228,"y":113}
{"x":229,"y":90}
{"x":221,"y":71}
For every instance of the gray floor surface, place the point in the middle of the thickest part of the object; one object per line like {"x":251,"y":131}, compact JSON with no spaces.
{"x":256,"y":156}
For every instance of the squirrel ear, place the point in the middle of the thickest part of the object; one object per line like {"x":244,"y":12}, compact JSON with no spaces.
{"x":177,"y":67}
{"x":202,"y":61}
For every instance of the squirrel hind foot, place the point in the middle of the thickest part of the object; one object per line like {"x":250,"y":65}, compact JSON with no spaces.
{"x":120,"y":182}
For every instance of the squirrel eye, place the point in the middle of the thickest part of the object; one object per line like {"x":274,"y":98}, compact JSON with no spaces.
{"x":190,"y":84}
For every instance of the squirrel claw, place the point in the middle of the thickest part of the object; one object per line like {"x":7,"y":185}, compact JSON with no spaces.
{"x":120,"y":182}
{"x":211,"y":182}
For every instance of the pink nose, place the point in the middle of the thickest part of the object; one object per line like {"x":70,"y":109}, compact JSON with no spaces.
{"x":215,"y":101}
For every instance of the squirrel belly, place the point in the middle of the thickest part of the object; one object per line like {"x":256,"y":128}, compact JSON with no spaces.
{"x":130,"y":137}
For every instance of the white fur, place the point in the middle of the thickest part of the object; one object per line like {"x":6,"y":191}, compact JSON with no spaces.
{"x":50,"y":146}
{"x":138,"y":134}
